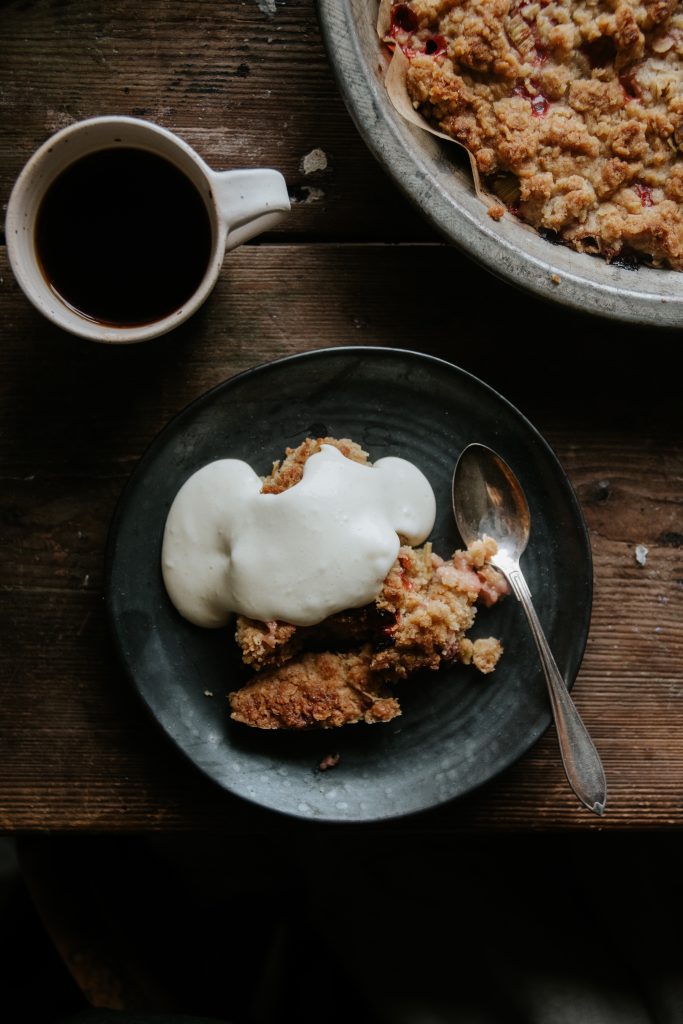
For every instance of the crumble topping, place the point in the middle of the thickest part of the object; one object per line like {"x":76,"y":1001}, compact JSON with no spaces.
{"x":572,"y":110}
{"x":341,"y":670}
{"x":320,"y":690}
{"x":289,"y":471}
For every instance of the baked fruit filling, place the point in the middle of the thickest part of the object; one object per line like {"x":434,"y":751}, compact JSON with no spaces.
{"x":341,"y":670}
{"x":572,"y":109}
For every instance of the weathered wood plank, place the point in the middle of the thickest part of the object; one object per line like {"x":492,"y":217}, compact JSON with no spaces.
{"x":244,"y":87}
{"x":78,"y":751}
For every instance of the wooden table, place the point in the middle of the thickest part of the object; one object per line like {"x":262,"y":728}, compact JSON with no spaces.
{"x":247,"y":82}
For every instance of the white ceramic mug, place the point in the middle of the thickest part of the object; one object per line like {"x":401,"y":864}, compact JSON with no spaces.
{"x":240,"y":204}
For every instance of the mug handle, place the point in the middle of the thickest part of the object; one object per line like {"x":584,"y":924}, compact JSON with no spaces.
{"x":249,"y":202}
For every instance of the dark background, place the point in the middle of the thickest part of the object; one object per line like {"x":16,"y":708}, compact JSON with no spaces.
{"x":563,"y":928}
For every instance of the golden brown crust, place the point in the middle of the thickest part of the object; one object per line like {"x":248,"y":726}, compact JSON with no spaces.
{"x":572,"y":107}
{"x":432,"y":603}
{"x":483,"y":653}
{"x":318,"y":690}
{"x":269,"y":644}
{"x":418,"y":621}
{"x":289,"y":471}
{"x":425,"y":607}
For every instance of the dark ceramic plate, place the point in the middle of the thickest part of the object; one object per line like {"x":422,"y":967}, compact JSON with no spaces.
{"x":458,"y":728}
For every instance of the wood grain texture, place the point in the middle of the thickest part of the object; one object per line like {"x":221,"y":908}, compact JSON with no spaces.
{"x":250,"y":88}
{"x":80,"y":753}
{"x":243,"y":87}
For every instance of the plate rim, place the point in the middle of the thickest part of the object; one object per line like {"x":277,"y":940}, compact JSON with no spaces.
{"x":321,"y":354}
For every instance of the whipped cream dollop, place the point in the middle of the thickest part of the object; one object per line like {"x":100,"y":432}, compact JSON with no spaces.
{"x":323,"y":545}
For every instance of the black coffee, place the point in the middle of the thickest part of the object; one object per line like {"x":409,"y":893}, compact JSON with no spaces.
{"x":123,"y":237}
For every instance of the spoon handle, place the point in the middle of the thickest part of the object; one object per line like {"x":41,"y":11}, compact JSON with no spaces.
{"x":580,"y":758}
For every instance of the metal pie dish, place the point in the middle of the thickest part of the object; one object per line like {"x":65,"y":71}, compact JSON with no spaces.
{"x":436,"y":177}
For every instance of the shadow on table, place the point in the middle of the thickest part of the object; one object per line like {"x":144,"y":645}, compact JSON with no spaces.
{"x":554,"y":929}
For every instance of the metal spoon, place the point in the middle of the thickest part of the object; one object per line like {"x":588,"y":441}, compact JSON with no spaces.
{"x":487,"y":499}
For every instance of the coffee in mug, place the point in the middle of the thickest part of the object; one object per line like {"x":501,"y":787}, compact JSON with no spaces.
{"x":116,"y":229}
{"x":128,"y":260}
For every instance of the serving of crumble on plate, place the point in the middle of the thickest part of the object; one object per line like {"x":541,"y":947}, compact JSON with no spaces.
{"x":458,"y":728}
{"x":340,"y":671}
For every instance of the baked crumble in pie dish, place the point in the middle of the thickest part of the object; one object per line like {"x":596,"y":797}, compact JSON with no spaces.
{"x":571,"y":109}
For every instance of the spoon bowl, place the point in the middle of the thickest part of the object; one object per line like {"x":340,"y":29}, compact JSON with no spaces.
{"x":488,"y":500}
